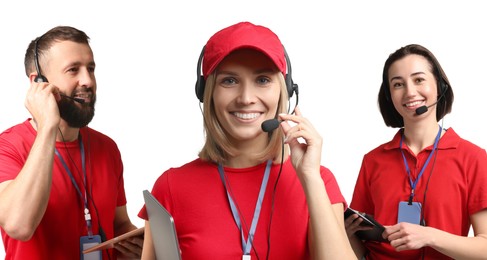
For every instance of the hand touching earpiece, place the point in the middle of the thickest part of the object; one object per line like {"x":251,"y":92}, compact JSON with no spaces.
{"x":41,"y":101}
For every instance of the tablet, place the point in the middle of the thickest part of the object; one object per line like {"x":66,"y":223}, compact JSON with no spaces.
{"x":111,"y":243}
{"x":374,"y":234}
{"x":163,"y":230}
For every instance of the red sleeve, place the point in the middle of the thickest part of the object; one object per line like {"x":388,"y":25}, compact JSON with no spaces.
{"x":332,"y":188}
{"x":361,"y":199}
{"x":160,"y":188}
{"x":477,"y":174}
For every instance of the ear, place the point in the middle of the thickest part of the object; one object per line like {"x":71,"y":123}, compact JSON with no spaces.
{"x":32,"y":76}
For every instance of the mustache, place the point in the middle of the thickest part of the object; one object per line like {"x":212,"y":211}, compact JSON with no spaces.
{"x":79,"y":100}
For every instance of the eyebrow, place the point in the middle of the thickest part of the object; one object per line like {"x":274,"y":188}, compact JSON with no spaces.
{"x":414,"y":74}
{"x":77,"y":64}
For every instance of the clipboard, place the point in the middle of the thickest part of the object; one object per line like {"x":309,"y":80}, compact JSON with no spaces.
{"x":111,"y":243}
{"x":374,"y":234}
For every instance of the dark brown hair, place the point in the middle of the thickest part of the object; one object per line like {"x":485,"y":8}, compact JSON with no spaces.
{"x":44,"y":42}
{"x":389,"y":113}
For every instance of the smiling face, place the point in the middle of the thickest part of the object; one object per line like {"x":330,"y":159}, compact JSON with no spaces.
{"x":412,"y":85}
{"x":246,"y":93}
{"x":70,"y":66}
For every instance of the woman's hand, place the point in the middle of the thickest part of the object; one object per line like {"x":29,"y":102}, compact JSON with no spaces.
{"x":305,"y":156}
{"x":407,"y":236}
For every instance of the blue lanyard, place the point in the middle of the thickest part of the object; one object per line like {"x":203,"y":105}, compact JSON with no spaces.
{"x":413,"y":184}
{"x":86,"y":210}
{"x":247,"y":246}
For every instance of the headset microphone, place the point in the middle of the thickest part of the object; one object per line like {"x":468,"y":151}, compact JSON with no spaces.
{"x":79,"y":100}
{"x":270,"y":125}
{"x":423,"y":109}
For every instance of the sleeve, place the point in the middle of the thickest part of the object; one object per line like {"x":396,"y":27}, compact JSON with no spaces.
{"x":477,"y":174}
{"x":11,"y":162}
{"x":160,"y":188}
{"x":361,"y":198}
{"x":332,"y":188}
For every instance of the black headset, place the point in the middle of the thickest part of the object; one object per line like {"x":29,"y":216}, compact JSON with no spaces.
{"x":39,"y":78}
{"x":200,"y":81}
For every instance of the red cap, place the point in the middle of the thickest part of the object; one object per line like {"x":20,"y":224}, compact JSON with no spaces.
{"x":243,"y":35}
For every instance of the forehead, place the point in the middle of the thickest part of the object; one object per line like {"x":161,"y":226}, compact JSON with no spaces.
{"x":409,"y":64}
{"x":69,"y":51}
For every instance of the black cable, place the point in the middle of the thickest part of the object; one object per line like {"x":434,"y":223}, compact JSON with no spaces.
{"x":278,"y":177}
{"x":273,"y":199}
{"x":422,"y":220}
{"x":90,"y":195}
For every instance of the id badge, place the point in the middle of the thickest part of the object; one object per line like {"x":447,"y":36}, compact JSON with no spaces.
{"x":87,"y":242}
{"x":409,"y":213}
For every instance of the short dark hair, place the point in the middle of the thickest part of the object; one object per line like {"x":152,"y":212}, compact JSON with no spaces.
{"x":389,"y":113}
{"x":44,"y":42}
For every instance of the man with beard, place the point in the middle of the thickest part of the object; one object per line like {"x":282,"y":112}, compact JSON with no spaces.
{"x":61,"y":182}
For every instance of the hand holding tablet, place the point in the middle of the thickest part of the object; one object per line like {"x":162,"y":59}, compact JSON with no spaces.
{"x":111,"y":243}
{"x":374,"y":234}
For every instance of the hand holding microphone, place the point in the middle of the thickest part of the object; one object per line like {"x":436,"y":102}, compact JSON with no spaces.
{"x":305,"y":156}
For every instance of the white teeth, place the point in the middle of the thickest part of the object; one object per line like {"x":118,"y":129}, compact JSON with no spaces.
{"x":82,"y":95}
{"x":412,"y":104}
{"x":246,"y":115}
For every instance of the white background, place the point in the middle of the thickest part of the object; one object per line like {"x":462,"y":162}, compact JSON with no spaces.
{"x":146,"y":54}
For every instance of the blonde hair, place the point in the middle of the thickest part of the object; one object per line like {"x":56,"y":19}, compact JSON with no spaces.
{"x":217,"y":147}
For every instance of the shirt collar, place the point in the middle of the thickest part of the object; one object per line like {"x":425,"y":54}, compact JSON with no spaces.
{"x":449,"y":140}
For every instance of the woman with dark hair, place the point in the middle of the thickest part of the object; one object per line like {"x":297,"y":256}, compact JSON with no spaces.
{"x":427,"y":185}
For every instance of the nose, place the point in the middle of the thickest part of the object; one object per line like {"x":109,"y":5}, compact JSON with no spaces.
{"x":87,"y":78}
{"x":247,"y":93}
{"x":411,"y":89}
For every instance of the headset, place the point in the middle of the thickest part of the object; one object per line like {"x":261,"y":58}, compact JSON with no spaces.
{"x":39,"y":78}
{"x":200,"y":81}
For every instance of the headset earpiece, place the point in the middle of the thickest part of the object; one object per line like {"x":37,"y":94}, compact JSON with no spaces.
{"x":200,"y":80}
{"x":290,"y":85}
{"x":443,"y":86}
{"x":39,"y":78}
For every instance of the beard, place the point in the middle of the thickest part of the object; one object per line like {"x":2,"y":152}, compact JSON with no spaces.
{"x":75,"y":114}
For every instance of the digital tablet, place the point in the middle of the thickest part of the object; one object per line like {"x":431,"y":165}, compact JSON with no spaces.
{"x":163,"y":230}
{"x":111,"y":243}
{"x":374,"y":234}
